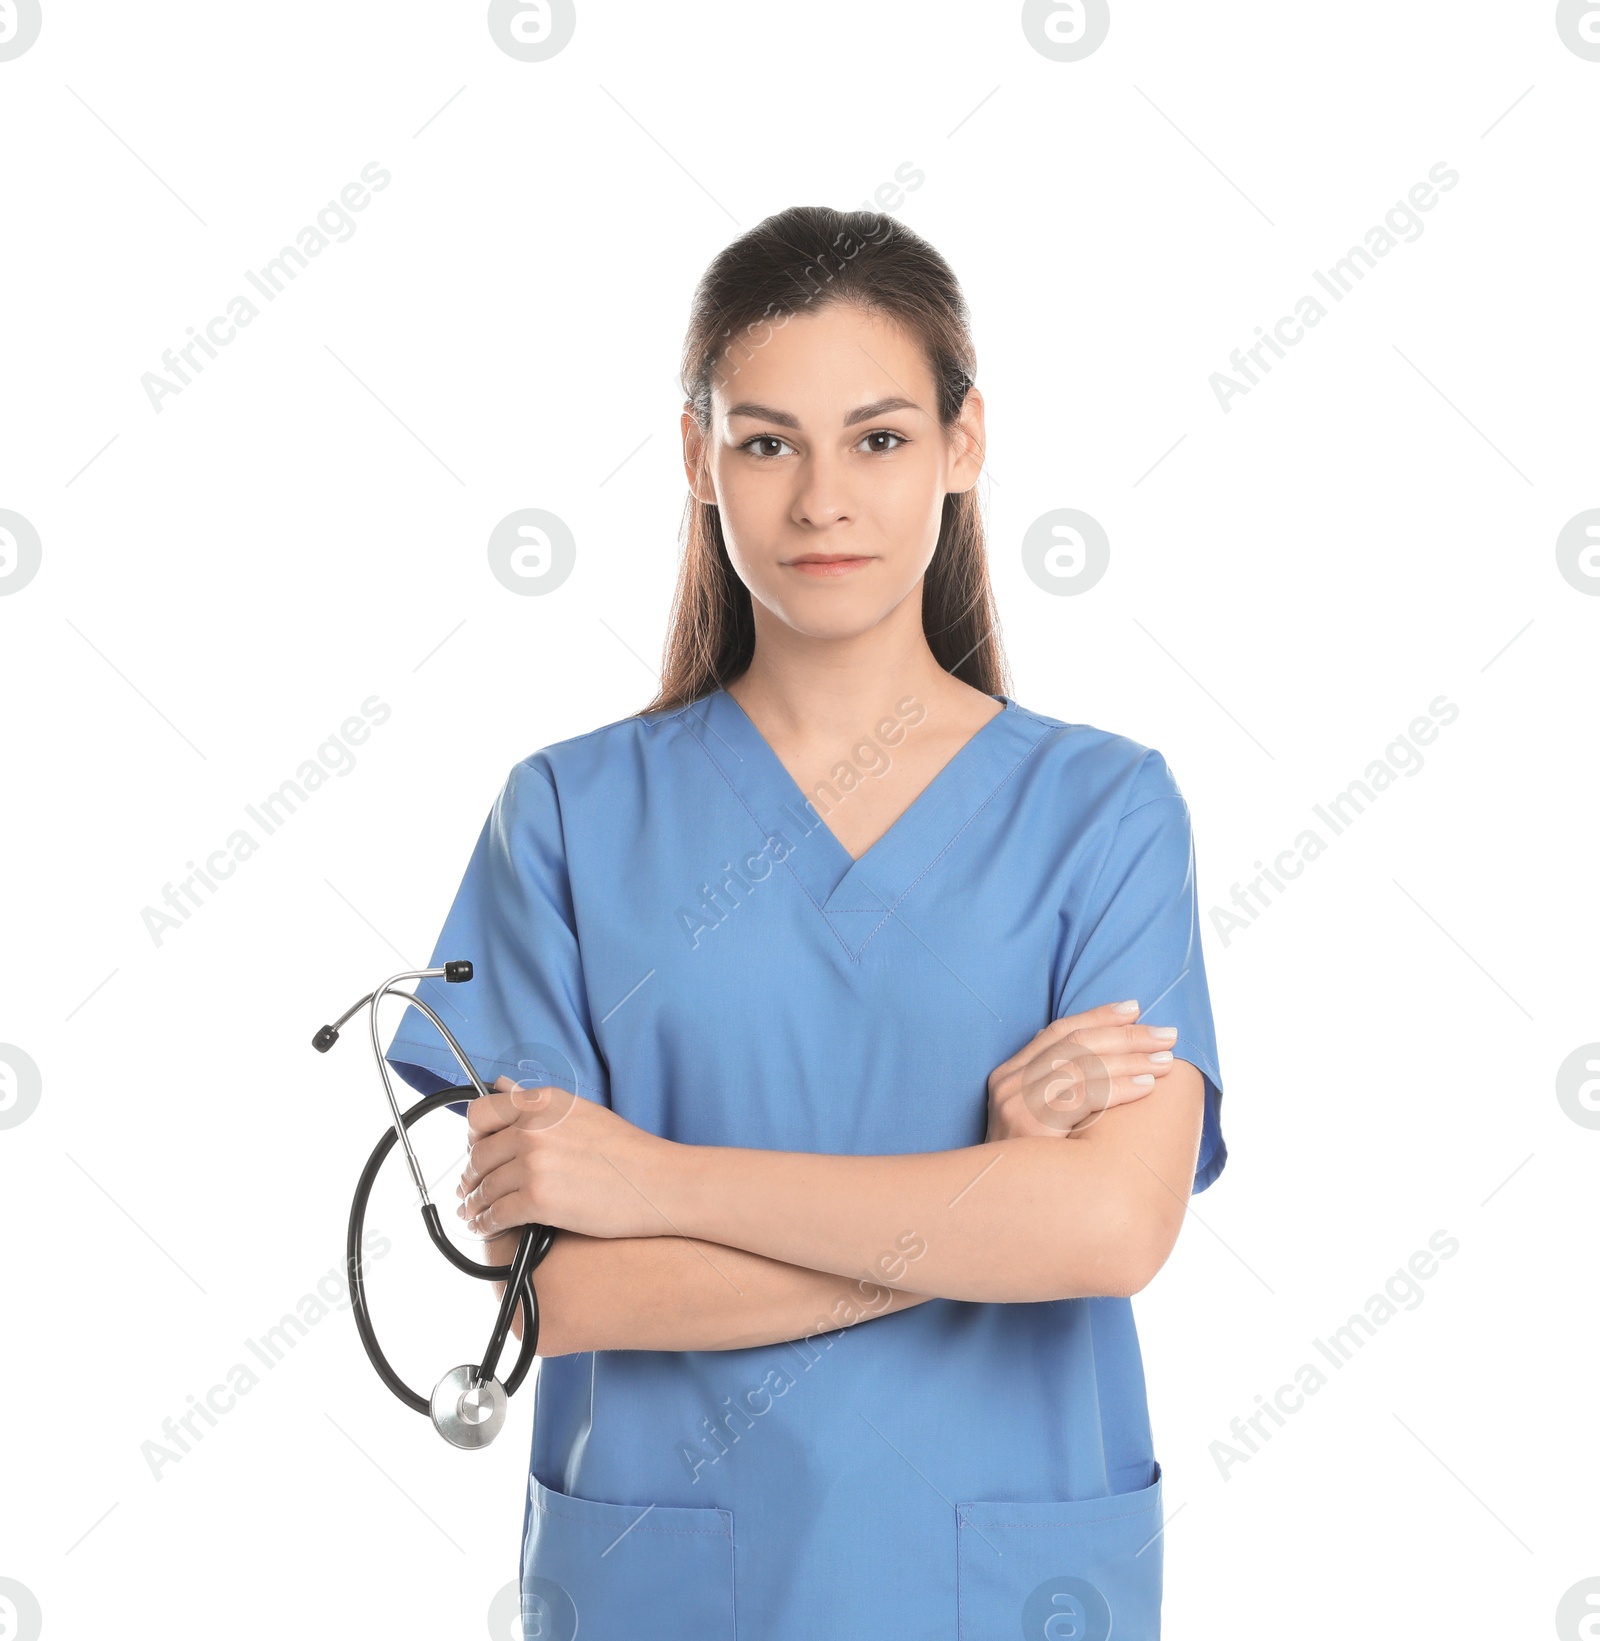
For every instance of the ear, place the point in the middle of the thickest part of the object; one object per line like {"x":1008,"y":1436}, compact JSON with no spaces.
{"x":968,"y":440}
{"x":694,"y":445}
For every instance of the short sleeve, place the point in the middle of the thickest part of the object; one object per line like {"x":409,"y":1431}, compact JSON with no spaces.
{"x":525,"y":1012}
{"x":1136,"y":933}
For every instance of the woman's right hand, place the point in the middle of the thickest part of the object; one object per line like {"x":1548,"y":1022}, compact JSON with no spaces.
{"x":1075,"y":1068}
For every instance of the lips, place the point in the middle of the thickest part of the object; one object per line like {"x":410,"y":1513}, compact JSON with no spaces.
{"x":827,"y":564}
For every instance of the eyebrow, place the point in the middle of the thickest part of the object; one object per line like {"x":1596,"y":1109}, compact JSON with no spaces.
{"x":879,"y":407}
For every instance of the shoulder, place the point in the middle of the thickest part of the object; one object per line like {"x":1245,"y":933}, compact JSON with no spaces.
{"x":603,"y":759}
{"x":1115,"y":773}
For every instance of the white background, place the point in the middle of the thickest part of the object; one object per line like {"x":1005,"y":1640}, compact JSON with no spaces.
{"x":1291,"y":583}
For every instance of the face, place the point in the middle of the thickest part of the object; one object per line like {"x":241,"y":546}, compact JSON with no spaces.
{"x":829,"y":468}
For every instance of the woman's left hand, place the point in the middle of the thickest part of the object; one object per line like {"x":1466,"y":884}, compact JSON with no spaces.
{"x":543,"y":1156}
{"x":1073,"y":1070}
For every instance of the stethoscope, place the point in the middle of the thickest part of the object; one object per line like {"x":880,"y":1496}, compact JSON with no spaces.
{"x":468,"y":1405}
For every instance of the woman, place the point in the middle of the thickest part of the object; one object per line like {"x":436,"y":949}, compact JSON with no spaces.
{"x":856,"y":1135}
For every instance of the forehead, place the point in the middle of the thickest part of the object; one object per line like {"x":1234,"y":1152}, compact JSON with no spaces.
{"x":818,"y":365}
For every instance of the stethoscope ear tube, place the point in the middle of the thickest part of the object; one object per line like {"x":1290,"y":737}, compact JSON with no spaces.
{"x":534,"y":1243}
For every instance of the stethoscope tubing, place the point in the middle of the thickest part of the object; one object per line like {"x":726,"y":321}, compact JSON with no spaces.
{"x":534,"y":1243}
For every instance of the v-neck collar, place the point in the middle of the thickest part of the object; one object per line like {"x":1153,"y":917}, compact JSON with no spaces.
{"x":858,"y":896}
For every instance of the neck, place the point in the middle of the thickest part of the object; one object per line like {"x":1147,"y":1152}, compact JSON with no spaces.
{"x":805,"y":690}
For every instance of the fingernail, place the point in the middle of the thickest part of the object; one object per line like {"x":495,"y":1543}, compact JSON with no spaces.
{"x":1168,"y":1032}
{"x":1145,"y":1080}
{"x":1130,"y":1007}
{"x":1161,"y":1056}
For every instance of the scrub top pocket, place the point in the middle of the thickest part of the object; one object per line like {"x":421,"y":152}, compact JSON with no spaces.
{"x":1061,"y":1570}
{"x":606,"y":1572}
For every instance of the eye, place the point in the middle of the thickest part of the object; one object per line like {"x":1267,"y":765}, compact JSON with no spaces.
{"x":763,"y":438}
{"x":886,"y":433}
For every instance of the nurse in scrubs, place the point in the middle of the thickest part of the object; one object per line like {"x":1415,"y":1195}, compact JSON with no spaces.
{"x":849,"y":1019}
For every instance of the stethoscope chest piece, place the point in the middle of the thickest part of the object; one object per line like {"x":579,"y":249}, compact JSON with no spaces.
{"x":464,"y":1412}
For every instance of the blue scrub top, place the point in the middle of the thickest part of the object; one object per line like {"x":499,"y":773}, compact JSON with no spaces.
{"x":660,"y":920}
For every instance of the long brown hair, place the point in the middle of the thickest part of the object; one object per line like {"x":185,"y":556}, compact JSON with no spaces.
{"x":799,"y":261}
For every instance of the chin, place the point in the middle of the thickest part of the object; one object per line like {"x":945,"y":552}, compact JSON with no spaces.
{"x":832,"y":619}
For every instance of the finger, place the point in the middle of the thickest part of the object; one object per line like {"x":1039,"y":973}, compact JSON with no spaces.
{"x":1101,"y":1071}
{"x":489,"y":1113}
{"x":1082,"y":1087}
{"x":487,"y":1226}
{"x":1117,"y":1091}
{"x":1105,"y":1014}
{"x":541,"y":1105}
{"x":486,"y":1154}
{"x":1122,"y":1091}
{"x":1106,"y":1040}
{"x":1097,"y":1073}
{"x":1106,"y":1017}
{"x":1115,"y":1014}
{"x":490,"y":1207}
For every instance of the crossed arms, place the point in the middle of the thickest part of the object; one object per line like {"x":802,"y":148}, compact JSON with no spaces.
{"x":1079,"y":1190}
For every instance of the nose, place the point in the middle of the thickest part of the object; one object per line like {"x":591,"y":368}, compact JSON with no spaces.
{"x":821,"y":495}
